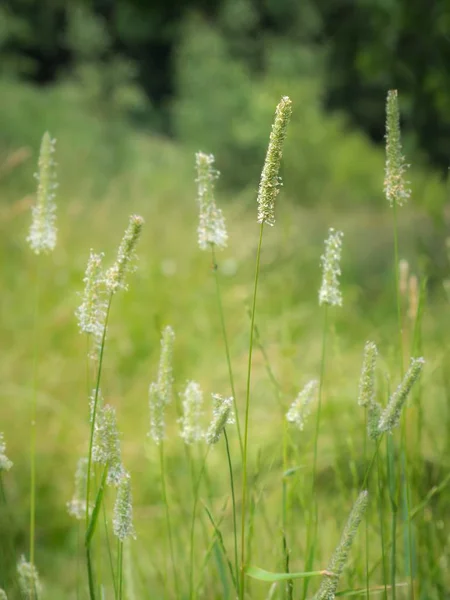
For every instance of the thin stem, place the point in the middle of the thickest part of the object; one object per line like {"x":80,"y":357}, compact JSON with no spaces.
{"x":233,"y":500}
{"x":192,"y":536}
{"x":247,"y":410}
{"x":227,"y":346}
{"x":380,"y":501}
{"x":313,"y":516}
{"x":366,"y":518}
{"x":91,"y":442}
{"x":397,"y":287}
{"x":33,"y":416}
{"x":168,"y":522}
{"x":120,"y":576}
{"x":108,"y":547}
{"x":94,"y":409}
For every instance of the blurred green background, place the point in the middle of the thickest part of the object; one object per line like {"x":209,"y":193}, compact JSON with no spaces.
{"x":131,"y":90}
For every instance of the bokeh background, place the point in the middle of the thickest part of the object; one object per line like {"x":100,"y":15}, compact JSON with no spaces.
{"x":131,"y":90}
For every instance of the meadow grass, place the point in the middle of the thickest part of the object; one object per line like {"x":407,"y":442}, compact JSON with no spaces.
{"x":298,"y":486}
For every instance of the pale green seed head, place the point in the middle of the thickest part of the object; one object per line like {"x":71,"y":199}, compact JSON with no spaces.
{"x":270,"y":182}
{"x":126,"y":256}
{"x":192,"y":401}
{"x":328,"y":586}
{"x":77,"y":506}
{"x":211,"y":228}
{"x":223,"y":415}
{"x":28,"y":578}
{"x":330,"y":292}
{"x":301,"y":407}
{"x":42,"y":235}
{"x":390,"y":417}
{"x":366,"y":394}
{"x":106,"y":446}
{"x":123,"y":510}
{"x":5,"y":463}
{"x":395,"y":187}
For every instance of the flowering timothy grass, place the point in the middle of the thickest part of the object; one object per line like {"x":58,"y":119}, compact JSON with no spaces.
{"x":5,"y":463}
{"x":29,"y":584}
{"x":42,"y":235}
{"x":191,"y":420}
{"x":390,"y":417}
{"x":267,"y":193}
{"x":198,"y":556}
{"x":395,"y":187}
{"x":160,"y":395}
{"x":301,"y":407}
{"x":330,"y":291}
{"x":211,"y":228}
{"x":328,"y":587}
{"x":42,"y":240}
{"x":270,"y":183}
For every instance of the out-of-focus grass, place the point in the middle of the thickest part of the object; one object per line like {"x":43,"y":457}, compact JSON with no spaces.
{"x":174,"y":285}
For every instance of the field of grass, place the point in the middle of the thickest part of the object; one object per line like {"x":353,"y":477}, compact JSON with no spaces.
{"x":174,"y":284}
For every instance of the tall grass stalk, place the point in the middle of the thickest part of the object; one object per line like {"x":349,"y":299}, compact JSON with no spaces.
{"x":215,"y":268}
{"x":33,"y":417}
{"x":91,"y":441}
{"x":247,"y":410}
{"x":192,"y":531}
{"x":313,"y":514}
{"x":381,"y":518}
{"x":168,"y":519}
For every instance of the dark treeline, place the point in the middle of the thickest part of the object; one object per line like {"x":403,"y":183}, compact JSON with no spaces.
{"x":361,"y":47}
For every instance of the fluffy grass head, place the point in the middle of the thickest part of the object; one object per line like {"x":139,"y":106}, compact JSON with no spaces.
{"x":270,"y":182}
{"x":42,"y":235}
{"x":395,"y":187}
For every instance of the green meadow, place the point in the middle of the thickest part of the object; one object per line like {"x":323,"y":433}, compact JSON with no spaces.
{"x":301,"y":484}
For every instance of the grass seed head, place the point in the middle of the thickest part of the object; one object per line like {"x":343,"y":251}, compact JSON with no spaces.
{"x":192,"y":400}
{"x":126,"y":256}
{"x":42,"y":235}
{"x":301,"y":407}
{"x":5,"y":463}
{"x":106,"y":445}
{"x":270,"y":182}
{"x":328,"y":587}
{"x":330,"y":292}
{"x":28,"y":577}
{"x":223,"y":415}
{"x":390,"y":417}
{"x":211,"y":229}
{"x":123,"y":509}
{"x":395,"y":187}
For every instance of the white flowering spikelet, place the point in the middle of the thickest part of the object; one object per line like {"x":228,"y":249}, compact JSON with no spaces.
{"x":42,"y":235}
{"x":330,"y":292}
{"x":367,"y":380}
{"x":223,"y":415}
{"x":160,"y":392}
{"x":106,"y":444}
{"x":192,"y":400}
{"x":5,"y":463}
{"x":366,"y":396}
{"x":211,"y":229}
{"x":390,"y":416}
{"x":395,"y":187}
{"x":270,"y":182}
{"x":126,"y":255}
{"x":123,"y":509}
{"x":77,"y":506}
{"x":29,"y":584}
{"x":92,"y":311}
{"x":328,"y":587}
{"x":3,"y":595}
{"x":301,"y":407}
